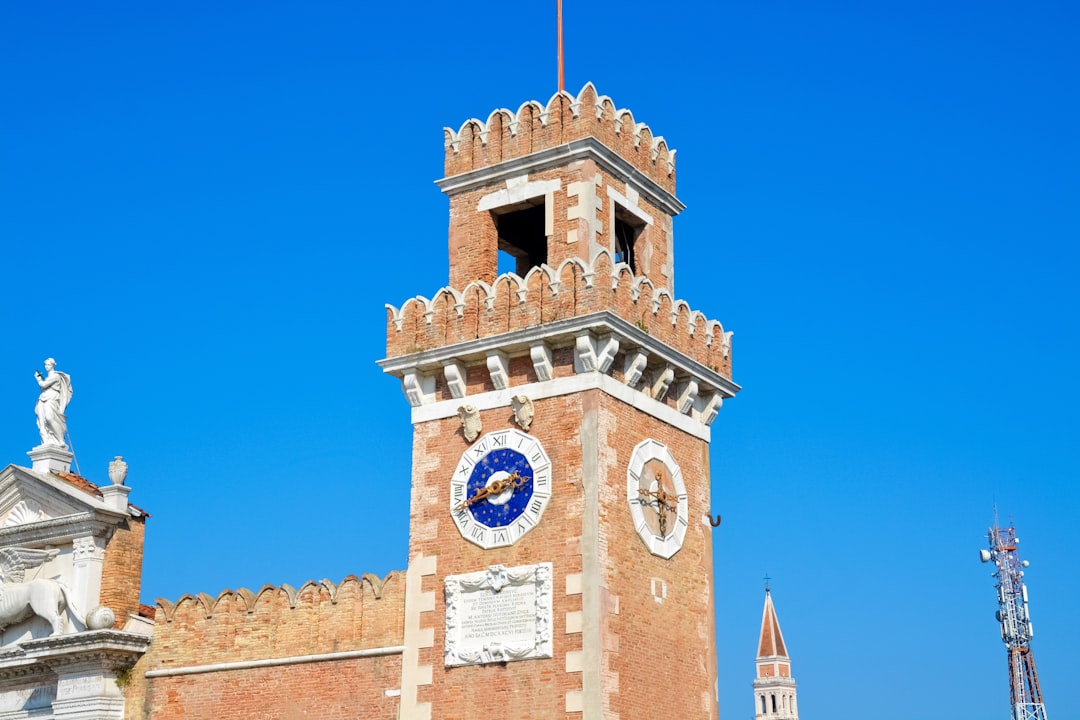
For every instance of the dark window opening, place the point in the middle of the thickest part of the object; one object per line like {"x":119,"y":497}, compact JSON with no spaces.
{"x":773,"y":702}
{"x":627,"y":229}
{"x":521,"y":235}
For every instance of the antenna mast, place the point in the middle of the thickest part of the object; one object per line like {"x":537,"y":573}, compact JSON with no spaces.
{"x":1015,"y":619}
{"x":558,"y":19}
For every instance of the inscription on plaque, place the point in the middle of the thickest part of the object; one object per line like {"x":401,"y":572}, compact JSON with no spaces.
{"x":498,"y":615}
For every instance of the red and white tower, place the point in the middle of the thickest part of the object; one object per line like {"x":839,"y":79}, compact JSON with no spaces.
{"x":774,"y":688}
{"x":1013,"y":614}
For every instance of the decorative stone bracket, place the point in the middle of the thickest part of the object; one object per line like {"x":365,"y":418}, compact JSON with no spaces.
{"x":649,"y":367}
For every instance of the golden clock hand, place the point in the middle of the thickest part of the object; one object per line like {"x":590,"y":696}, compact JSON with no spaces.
{"x":496,"y":488}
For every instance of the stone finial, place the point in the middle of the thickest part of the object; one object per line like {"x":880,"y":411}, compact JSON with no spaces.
{"x":470,"y":422}
{"x":523,"y":411}
{"x":118,"y":471}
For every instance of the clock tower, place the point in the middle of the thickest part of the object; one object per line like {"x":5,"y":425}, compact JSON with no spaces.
{"x":560,"y":553}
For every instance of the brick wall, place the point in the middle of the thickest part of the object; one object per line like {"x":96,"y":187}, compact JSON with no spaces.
{"x":535,"y":689}
{"x":281,"y":624}
{"x":646,"y":648}
{"x":121,"y":572}
{"x":659,"y":624}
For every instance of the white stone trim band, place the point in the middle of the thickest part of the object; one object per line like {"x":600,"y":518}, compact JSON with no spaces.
{"x":585,"y":148}
{"x":275,"y":662}
{"x":690,"y":424}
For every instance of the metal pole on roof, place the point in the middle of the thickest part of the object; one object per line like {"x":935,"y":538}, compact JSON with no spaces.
{"x":558,"y":13}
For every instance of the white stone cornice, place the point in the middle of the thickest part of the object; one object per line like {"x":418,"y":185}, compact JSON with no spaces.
{"x":691,"y":424}
{"x":555,"y":334}
{"x":60,"y":650}
{"x":57,"y":531}
{"x":585,"y":148}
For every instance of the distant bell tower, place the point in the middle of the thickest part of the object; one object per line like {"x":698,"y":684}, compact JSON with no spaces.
{"x":560,"y":552}
{"x":774,"y":688}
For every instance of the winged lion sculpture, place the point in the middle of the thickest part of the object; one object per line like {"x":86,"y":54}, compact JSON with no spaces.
{"x":41,"y":597}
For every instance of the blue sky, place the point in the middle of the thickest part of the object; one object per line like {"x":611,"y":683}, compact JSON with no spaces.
{"x":203,"y":209}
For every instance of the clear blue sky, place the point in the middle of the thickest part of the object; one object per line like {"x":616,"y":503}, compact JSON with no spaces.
{"x":203,"y":209}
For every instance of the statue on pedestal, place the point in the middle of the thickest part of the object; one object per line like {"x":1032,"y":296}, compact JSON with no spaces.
{"x":55,"y":396}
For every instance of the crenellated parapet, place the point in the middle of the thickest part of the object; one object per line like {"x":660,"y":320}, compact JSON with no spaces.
{"x":576,"y":319}
{"x":279,"y":620}
{"x":507,"y":135}
{"x":220,"y":656}
{"x":245,"y":601}
{"x":549,"y":294}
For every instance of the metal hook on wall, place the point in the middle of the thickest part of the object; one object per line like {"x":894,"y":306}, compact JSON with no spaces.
{"x":714,"y":523}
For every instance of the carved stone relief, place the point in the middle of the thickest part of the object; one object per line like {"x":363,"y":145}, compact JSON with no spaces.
{"x":498,"y":615}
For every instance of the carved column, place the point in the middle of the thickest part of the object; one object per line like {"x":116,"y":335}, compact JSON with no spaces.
{"x":88,"y":554}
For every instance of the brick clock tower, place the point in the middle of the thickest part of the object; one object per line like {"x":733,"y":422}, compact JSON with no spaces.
{"x":560,"y":543}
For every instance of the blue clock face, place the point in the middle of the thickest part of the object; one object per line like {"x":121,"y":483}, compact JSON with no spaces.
{"x":500,"y":488}
{"x":507,"y":466}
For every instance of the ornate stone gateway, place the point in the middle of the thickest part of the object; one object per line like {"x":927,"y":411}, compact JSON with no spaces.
{"x":62,"y":582}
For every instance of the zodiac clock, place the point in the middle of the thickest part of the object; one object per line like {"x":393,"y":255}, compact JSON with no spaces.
{"x":500,"y":488}
{"x":657,"y":496}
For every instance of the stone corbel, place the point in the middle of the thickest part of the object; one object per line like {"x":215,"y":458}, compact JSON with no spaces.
{"x":606,"y":350}
{"x":584,"y":353}
{"x":419,"y":388}
{"x":634,"y":367}
{"x":454,"y":372}
{"x":499,"y":368}
{"x":711,"y":408}
{"x":689,"y":394}
{"x":594,"y":355}
{"x":662,"y":382}
{"x":541,"y":360}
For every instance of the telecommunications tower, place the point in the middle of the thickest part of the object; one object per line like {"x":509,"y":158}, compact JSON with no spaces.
{"x":1015,"y":619}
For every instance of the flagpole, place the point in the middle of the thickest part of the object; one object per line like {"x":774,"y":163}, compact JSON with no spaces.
{"x":558,"y":5}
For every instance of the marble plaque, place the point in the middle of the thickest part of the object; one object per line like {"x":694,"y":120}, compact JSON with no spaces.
{"x":498,"y":615}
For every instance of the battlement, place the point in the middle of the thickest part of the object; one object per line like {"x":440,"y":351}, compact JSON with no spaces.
{"x":506,"y":135}
{"x":221,"y":656}
{"x":244,"y":600}
{"x":580,"y":318}
{"x":547,"y":294}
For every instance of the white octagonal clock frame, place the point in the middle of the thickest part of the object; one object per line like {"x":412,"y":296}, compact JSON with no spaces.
{"x":658,"y":504}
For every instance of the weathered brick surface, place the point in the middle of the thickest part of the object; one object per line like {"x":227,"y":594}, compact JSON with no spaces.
{"x":339,"y":690}
{"x":528,"y":689}
{"x":646,"y":644}
{"x":121,"y":572}
{"x":669,"y":644}
{"x":270,"y":624}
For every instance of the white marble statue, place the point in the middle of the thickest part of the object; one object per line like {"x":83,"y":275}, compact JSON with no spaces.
{"x":55,"y":396}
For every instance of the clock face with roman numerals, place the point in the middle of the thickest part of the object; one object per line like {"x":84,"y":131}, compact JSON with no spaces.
{"x":500,"y":488}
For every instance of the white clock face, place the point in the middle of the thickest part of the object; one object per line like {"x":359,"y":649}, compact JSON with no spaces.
{"x":500,"y":488}
{"x":657,"y":496}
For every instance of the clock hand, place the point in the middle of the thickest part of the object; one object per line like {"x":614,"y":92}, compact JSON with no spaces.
{"x":499,"y":486}
{"x":665,"y":503}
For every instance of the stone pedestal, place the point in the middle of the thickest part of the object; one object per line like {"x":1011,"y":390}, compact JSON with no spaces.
{"x":85,"y":667}
{"x":50,"y":459}
{"x":115,"y":496}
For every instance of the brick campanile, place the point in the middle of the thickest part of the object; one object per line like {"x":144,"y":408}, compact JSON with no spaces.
{"x":560,"y":548}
